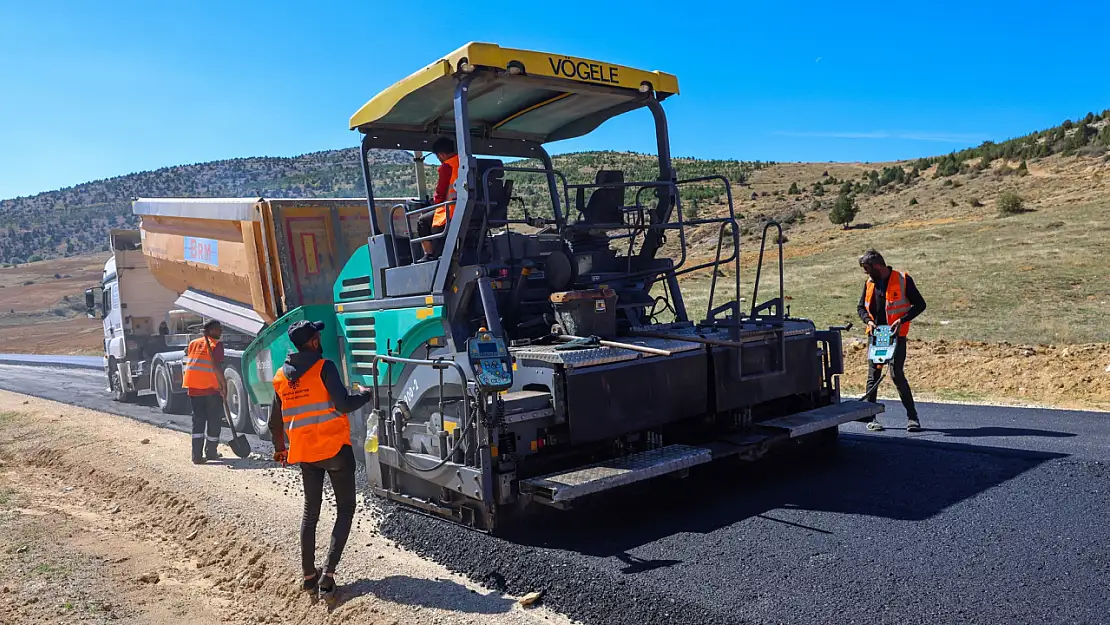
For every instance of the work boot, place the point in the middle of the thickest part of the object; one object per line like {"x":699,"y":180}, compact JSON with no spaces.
{"x":310,"y":584}
{"x":913,"y":425}
{"x":198,"y":448}
{"x":211,"y":452}
{"x":875,"y":426}
{"x":328,"y":590}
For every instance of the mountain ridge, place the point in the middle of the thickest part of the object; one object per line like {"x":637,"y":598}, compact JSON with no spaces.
{"x":74,"y":220}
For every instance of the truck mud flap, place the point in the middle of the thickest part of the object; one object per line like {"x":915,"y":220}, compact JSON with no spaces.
{"x":559,"y":488}
{"x":810,"y":421}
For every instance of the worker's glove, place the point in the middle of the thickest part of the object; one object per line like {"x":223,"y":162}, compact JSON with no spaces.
{"x":367,"y":393}
{"x":282,"y":457}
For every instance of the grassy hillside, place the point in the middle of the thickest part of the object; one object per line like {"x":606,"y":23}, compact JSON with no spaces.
{"x":1036,"y":277}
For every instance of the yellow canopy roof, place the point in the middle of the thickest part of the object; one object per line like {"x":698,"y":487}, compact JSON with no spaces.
{"x":515,"y":94}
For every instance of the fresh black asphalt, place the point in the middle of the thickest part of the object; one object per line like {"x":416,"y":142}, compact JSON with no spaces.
{"x":990,"y":515}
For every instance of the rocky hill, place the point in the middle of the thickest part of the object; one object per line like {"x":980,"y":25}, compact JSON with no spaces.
{"x":74,"y":220}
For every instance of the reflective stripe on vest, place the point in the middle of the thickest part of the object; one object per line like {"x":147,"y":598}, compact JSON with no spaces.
{"x":897,"y":303}
{"x":199,"y":368}
{"x":439,"y":219}
{"x":316,"y":430}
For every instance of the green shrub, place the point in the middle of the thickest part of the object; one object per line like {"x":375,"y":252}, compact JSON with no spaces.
{"x":690,"y":211}
{"x":1010,"y":203}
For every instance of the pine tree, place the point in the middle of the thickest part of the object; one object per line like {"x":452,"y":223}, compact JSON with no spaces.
{"x":844,"y":211}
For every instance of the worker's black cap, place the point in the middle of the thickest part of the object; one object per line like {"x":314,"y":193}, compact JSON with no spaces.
{"x":301,"y":332}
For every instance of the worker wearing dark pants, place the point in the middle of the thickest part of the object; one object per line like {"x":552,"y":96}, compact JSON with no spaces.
{"x":310,"y":407}
{"x":208,"y":419}
{"x":340,"y":469}
{"x":203,"y":379}
{"x":890,"y":298}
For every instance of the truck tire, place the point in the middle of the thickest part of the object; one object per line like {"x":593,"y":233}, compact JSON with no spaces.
{"x":238,"y":402}
{"x":260,"y":419}
{"x":116,"y":384}
{"x":169,"y":402}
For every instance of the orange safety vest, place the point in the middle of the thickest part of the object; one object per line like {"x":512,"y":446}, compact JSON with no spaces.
{"x":897,"y":304}
{"x":199,"y":370}
{"x":316,"y":430}
{"x":439,"y":219}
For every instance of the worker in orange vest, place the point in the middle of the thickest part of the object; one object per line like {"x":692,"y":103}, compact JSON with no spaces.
{"x":890,"y":298}
{"x":436,"y":221}
{"x":203,"y":377}
{"x":310,"y":408}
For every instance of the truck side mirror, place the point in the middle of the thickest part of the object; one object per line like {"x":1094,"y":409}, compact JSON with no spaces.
{"x":90,"y":304}
{"x":91,"y":297}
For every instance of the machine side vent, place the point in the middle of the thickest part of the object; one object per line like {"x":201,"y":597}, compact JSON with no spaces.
{"x":355,"y":288}
{"x":361,"y":340}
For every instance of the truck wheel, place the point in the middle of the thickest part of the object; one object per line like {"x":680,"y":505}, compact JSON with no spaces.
{"x":169,"y":402}
{"x":116,"y":384}
{"x":260,"y":420}
{"x":238,"y":404}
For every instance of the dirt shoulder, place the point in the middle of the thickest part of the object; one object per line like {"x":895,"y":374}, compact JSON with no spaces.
{"x":104,"y":520}
{"x":1062,"y":376}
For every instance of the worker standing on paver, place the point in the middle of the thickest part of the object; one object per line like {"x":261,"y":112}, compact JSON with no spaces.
{"x":203,"y":377}
{"x":890,"y":298}
{"x":448,"y":172}
{"x":310,"y":407}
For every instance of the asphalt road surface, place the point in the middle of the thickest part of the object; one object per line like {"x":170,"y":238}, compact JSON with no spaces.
{"x":75,"y":384}
{"x":82,"y":362}
{"x":990,"y":515}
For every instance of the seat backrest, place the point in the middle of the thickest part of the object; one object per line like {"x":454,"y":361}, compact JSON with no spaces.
{"x":605,"y":202}
{"x":492,"y":200}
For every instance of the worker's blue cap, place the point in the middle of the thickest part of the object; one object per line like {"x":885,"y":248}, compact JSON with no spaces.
{"x":301,"y":332}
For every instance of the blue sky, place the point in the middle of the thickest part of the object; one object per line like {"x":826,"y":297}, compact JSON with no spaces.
{"x":91,"y":90}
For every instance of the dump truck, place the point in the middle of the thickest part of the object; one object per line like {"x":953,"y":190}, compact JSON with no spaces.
{"x":242,"y":261}
{"x":545,"y":354}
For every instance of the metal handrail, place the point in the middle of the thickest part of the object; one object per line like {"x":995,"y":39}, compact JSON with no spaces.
{"x":780,"y":313}
{"x":408,"y":225}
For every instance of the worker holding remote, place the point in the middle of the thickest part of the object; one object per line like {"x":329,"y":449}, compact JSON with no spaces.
{"x":891,"y":298}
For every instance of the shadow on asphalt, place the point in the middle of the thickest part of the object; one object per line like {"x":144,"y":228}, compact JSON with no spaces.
{"x":442,"y":594}
{"x":908,"y":479}
{"x":992,"y":431}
